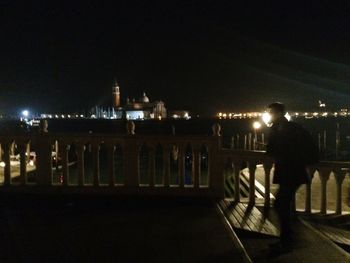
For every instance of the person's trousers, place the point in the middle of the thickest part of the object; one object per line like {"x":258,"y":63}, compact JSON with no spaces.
{"x":283,"y":203}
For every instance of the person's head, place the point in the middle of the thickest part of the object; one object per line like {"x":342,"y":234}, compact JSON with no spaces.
{"x":277,"y":111}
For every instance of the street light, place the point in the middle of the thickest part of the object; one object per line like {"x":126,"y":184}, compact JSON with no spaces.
{"x":287,"y":116}
{"x":256,"y":125}
{"x":25,"y":113}
{"x":266,"y":117}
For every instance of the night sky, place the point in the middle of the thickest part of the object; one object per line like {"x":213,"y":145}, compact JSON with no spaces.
{"x":203,"y":56}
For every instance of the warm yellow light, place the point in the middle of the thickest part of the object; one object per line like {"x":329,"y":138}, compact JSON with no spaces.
{"x":256,"y":125}
{"x":2,"y":164}
{"x":266,"y":117}
{"x":287,"y":116}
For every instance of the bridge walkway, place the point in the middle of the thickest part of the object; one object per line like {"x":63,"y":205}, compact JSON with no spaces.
{"x":110,"y":229}
{"x":258,"y":227}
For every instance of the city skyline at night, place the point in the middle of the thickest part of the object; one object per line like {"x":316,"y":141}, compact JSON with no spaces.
{"x":199,"y":55}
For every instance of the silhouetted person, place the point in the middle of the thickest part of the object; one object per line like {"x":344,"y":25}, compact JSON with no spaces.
{"x":293,"y":149}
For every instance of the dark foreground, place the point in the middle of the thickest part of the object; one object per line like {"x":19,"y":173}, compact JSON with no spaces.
{"x":109,"y":229}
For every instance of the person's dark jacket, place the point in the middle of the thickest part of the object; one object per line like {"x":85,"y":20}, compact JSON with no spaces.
{"x":286,"y":144}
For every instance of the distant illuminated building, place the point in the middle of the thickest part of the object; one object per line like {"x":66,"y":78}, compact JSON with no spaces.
{"x":139,"y":109}
{"x":144,"y":109}
{"x":116,"y":95}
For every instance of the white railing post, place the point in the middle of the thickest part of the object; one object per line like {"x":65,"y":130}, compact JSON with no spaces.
{"x":96,"y":163}
{"x":181,"y":163}
{"x":131,"y":161}
{"x":110,"y":164}
{"x":237,"y":171}
{"x":65,"y":163}
{"x":196,"y":166}
{"x":311,"y":171}
{"x":216,"y":167}
{"x":339,"y":178}
{"x":80,"y":156}
{"x":324,"y":176}
{"x":166,"y":162}
{"x":43,"y":159}
{"x":22,"y":146}
{"x":152,"y":166}
{"x":267,"y":171}
{"x":252,"y":168}
{"x":6,"y":147}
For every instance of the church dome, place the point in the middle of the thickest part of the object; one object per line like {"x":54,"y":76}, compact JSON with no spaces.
{"x":144,"y":98}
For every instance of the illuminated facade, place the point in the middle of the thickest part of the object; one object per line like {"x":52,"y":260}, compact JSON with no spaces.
{"x":139,"y":109}
{"x":116,"y":95}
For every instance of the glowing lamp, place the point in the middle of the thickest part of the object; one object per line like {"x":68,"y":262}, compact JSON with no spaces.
{"x":266,"y":117}
{"x":256,"y":125}
{"x":25,"y":113}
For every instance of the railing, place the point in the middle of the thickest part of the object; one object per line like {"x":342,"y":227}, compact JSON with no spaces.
{"x":155,"y":165}
{"x":183,"y":165}
{"x":239,"y":160}
{"x":319,"y":184}
{"x":324,"y":170}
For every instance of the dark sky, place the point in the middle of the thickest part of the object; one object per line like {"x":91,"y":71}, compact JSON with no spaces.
{"x":202,"y":55}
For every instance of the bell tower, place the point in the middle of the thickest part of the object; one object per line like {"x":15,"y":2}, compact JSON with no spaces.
{"x":116,"y":95}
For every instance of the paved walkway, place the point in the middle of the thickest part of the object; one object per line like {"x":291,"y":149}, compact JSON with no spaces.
{"x":113,"y":230}
{"x":310,"y":246}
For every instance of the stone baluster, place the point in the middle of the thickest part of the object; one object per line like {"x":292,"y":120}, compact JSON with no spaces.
{"x":181,"y":163}
{"x":324,"y":176}
{"x":152,"y":166}
{"x":6,"y":147}
{"x":216,"y":128}
{"x":56,"y":153}
{"x":111,"y":165}
{"x":96,"y":163}
{"x":131,"y":160}
{"x":267,"y":171}
{"x":237,"y":170}
{"x":311,"y":171}
{"x":81,"y":169}
{"x":43,"y":147}
{"x":166,"y":163}
{"x":308,"y":197}
{"x":249,"y":141}
{"x":339,"y":178}
{"x":252,"y":168}
{"x":22,"y":146}
{"x":216,"y":168}
{"x":65,"y":163}
{"x":196,"y":166}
